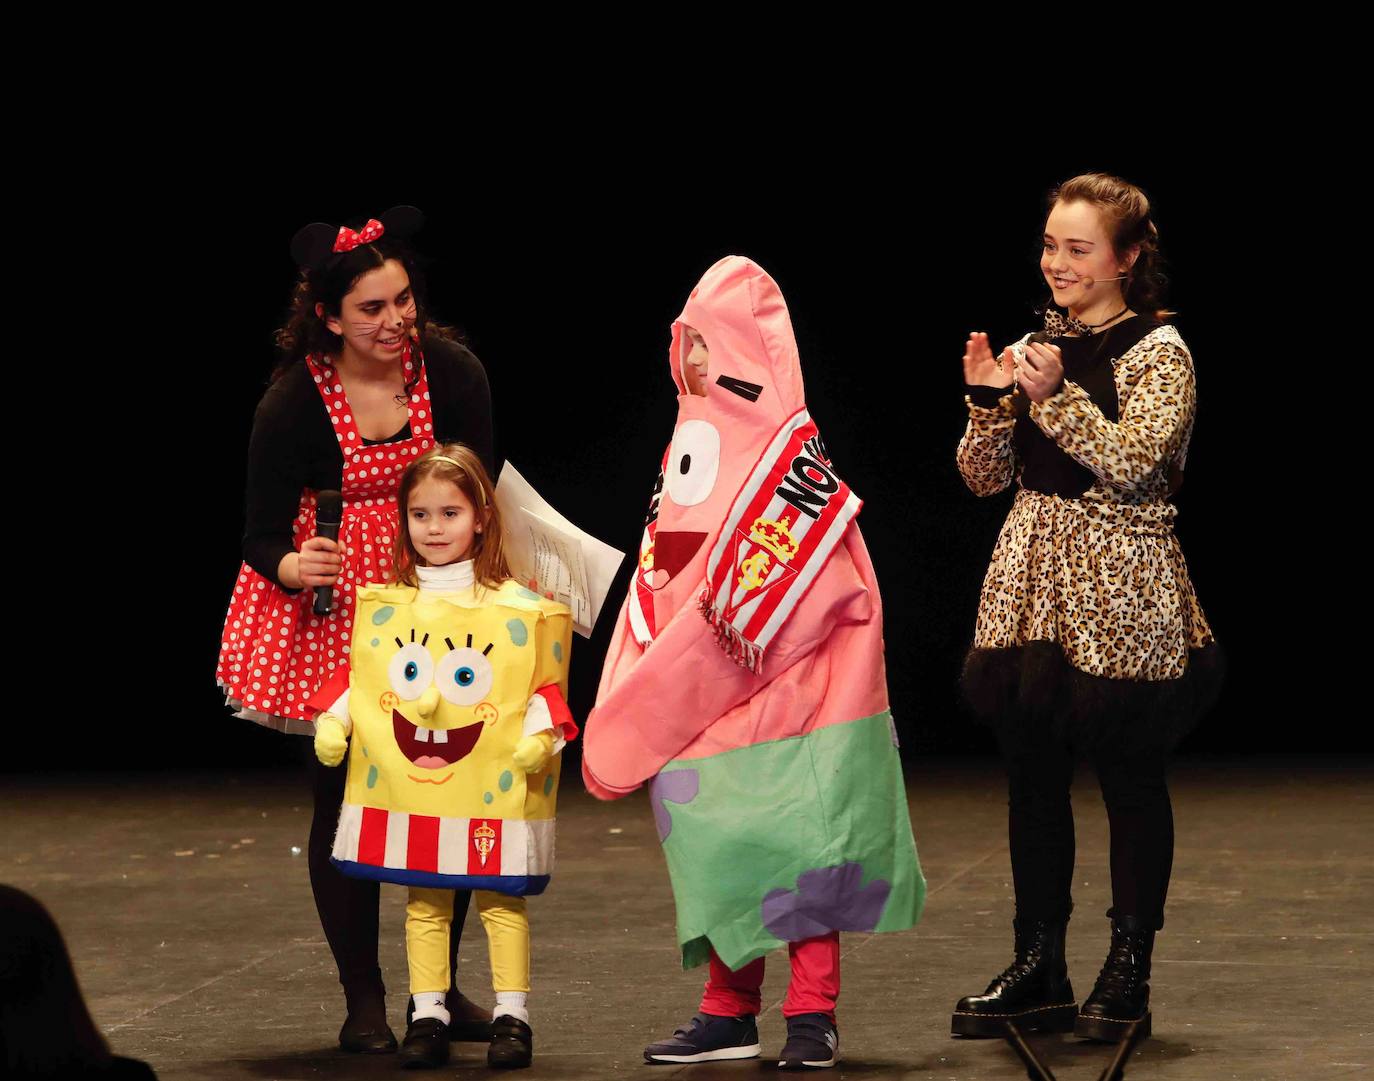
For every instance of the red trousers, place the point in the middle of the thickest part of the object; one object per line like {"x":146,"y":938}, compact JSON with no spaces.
{"x":814,"y":987}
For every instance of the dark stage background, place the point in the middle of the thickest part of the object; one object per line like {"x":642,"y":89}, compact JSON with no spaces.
{"x":565,"y":283}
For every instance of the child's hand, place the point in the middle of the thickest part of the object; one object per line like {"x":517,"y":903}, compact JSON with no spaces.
{"x":331,"y":740}
{"x":533,"y":752}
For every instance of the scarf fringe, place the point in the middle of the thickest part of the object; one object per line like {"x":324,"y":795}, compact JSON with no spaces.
{"x":735,"y":646}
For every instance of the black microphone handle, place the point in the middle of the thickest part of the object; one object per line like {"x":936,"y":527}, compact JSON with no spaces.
{"x":324,"y":595}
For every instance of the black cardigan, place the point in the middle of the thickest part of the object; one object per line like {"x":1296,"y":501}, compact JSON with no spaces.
{"x":293,"y":445}
{"x":1088,"y":362}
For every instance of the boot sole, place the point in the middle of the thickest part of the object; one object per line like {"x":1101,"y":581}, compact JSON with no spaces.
{"x":353,"y":1048}
{"x":423,"y":1062}
{"x":1106,"y":1029}
{"x":807,"y":1064}
{"x":1061,"y":1018}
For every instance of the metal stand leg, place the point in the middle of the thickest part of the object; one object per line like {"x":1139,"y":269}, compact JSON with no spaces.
{"x":1037,"y":1071}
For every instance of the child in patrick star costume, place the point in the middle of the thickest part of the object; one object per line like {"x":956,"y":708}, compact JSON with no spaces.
{"x":745,"y":684}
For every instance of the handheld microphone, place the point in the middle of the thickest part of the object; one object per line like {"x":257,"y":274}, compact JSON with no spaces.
{"x":328,"y":514}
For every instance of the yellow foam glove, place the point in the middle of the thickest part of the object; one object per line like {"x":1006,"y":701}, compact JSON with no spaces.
{"x":533,"y":752}
{"x":331,"y":739}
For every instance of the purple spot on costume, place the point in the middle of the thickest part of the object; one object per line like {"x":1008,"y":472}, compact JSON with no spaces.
{"x":675,"y":786}
{"x":826,"y":899}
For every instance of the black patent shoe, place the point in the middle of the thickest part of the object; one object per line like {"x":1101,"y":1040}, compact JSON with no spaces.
{"x":1033,"y":991}
{"x":365,"y":1031}
{"x":512,"y":1044}
{"x":468,"y":1022}
{"x":1121,"y":996}
{"x":426,"y":1044}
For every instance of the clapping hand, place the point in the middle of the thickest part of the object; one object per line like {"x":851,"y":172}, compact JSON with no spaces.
{"x":1041,"y":372}
{"x":981,"y":368}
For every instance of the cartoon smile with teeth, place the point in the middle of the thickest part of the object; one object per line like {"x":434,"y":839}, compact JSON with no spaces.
{"x":462,"y":677}
{"x":438,"y":693}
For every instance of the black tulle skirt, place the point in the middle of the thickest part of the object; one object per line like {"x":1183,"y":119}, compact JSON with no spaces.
{"x":1031,"y":693}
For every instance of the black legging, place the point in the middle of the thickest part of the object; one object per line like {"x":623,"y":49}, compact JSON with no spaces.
{"x":348,"y":906}
{"x":1040,"y":830}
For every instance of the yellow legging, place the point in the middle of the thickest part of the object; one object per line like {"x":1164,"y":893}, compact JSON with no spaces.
{"x":428,"y":916}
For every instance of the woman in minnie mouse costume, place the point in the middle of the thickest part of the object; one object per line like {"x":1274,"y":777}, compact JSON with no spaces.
{"x":366,"y":384}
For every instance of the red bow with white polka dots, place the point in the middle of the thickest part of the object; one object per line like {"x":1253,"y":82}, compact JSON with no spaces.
{"x":347,"y":239}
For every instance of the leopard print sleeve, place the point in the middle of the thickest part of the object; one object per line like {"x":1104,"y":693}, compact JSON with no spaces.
{"x":986,"y":456}
{"x":1158,"y":393}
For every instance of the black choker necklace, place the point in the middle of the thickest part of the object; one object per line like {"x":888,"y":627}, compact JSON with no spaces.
{"x":1099,"y":326}
{"x":1059,"y":323}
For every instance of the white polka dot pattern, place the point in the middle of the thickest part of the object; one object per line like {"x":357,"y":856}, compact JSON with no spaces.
{"x":347,"y":239}
{"x":275,"y":652}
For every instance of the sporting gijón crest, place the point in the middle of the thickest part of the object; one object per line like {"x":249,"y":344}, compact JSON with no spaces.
{"x":484,"y":846}
{"x":765,"y":550}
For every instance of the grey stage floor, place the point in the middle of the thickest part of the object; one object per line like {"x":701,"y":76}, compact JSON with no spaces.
{"x":189,"y":916}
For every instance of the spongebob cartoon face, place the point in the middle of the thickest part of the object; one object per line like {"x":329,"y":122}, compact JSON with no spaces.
{"x":461,"y":677}
{"x":438,"y":691}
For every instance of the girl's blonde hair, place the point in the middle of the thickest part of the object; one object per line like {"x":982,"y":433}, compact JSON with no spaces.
{"x":459,"y":465}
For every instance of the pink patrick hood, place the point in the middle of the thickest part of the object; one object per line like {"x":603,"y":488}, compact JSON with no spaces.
{"x":668,"y":688}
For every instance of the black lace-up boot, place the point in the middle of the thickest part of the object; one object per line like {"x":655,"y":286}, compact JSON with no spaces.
{"x":1122,"y":992}
{"x":1033,"y":991}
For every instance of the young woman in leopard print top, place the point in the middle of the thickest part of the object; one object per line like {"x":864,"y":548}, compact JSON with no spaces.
{"x":1089,"y":636}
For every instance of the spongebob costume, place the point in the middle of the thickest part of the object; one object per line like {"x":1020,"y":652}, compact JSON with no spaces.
{"x":455,"y":702}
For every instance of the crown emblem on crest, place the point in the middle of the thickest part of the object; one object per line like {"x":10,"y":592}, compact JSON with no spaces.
{"x":484,"y":838}
{"x":775,"y":536}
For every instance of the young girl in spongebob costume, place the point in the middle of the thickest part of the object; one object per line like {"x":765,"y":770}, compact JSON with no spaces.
{"x":745,"y":684}
{"x":453,"y":714}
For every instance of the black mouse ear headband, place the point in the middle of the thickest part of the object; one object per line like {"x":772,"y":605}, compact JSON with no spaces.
{"x":317,"y":243}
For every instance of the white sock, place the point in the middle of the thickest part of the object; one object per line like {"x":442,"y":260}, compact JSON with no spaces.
{"x":511,"y":1004}
{"x":430,"y":1004}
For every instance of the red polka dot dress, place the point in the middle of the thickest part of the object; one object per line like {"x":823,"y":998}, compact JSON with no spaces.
{"x":275,"y":652}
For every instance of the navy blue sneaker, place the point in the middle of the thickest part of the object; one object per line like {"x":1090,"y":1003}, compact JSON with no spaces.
{"x":708,"y":1038}
{"x":813,"y":1043}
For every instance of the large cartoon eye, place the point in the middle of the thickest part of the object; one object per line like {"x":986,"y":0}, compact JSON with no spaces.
{"x":692,"y":463}
{"x":411,"y":671}
{"x":463,"y":677}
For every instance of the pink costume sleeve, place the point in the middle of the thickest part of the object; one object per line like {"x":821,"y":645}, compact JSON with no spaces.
{"x":684,"y":682}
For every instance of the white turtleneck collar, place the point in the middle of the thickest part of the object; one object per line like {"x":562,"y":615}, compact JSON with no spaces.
{"x":447,"y":579}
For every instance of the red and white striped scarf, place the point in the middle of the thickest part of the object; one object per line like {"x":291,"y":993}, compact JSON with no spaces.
{"x":782,"y":527}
